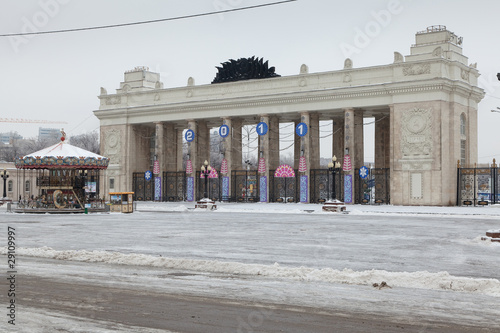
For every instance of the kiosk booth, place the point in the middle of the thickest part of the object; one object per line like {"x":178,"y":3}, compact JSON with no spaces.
{"x":121,"y":202}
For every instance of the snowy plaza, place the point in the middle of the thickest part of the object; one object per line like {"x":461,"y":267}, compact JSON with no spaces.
{"x":437,"y":270}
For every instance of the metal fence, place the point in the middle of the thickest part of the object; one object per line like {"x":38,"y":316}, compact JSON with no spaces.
{"x":478,"y":186}
{"x":374,"y":189}
{"x":174,"y":186}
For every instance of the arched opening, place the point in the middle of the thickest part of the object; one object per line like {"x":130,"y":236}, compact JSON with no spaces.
{"x":463,"y":139}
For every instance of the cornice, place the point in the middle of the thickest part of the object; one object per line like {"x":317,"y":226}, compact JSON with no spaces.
{"x":310,"y":96}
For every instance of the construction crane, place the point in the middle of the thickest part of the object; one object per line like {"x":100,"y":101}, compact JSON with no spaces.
{"x":37,"y":121}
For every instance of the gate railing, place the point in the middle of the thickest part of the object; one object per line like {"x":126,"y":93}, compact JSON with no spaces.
{"x":284,"y":189}
{"x":143,"y":189}
{"x":478,"y":186}
{"x":375,"y":188}
{"x":174,"y":186}
{"x":244,"y":186}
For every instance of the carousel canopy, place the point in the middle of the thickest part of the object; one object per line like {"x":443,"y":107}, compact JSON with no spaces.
{"x":62,"y":155}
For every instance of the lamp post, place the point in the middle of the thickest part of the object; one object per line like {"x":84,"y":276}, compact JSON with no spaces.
{"x":205,"y":171}
{"x":334,"y":168}
{"x":4,"y":175}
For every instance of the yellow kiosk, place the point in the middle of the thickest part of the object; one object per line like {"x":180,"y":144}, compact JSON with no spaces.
{"x":121,"y":202}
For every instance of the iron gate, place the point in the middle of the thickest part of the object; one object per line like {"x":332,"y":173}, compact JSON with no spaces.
{"x":478,"y":186}
{"x":244,"y":185}
{"x":374,"y":189}
{"x":143,"y":189}
{"x":283,"y":189}
{"x":174,"y":186}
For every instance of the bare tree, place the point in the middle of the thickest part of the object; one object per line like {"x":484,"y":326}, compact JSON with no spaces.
{"x":22,"y":147}
{"x":287,"y":159}
{"x":88,"y":141}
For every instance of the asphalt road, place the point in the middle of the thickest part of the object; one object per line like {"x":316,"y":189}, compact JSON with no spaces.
{"x":151,"y":309}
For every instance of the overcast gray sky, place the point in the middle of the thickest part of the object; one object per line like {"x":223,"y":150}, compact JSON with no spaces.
{"x":58,"y":76}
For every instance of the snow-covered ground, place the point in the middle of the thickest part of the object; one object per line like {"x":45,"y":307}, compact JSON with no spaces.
{"x":433,"y":258}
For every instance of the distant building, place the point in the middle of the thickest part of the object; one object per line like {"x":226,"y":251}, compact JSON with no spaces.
{"x":48,"y":133}
{"x":7,"y":138}
{"x":18,"y":184}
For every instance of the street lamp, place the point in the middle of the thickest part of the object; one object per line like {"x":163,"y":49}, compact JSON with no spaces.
{"x":334,"y":168}
{"x":4,"y":175}
{"x":205,"y":171}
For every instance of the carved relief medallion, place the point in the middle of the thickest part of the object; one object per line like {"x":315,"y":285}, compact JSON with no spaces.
{"x":112,"y":146}
{"x":417,"y":133}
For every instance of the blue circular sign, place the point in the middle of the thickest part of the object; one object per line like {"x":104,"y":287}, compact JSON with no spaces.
{"x":148,"y":174}
{"x":363,"y":172}
{"x":224,"y":131}
{"x":301,"y":129}
{"x":189,"y":136}
{"x":261,"y":128}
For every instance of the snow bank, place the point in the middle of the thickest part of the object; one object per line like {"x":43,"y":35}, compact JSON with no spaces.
{"x":162,"y":208}
{"x":422,"y":279}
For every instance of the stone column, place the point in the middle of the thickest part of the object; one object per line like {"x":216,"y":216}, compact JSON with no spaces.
{"x":169,"y":150}
{"x":228,"y":155}
{"x":191,"y":180}
{"x":236,"y":149}
{"x":160,"y":157}
{"x":313,"y":132}
{"x":382,"y":142}
{"x":358,"y":155}
{"x":180,"y":150}
{"x":306,"y":147}
{"x":160,"y":145}
{"x":274,"y":142}
{"x":338,"y":130}
{"x":349,"y":147}
{"x":395,"y":178}
{"x":266,"y":153}
{"x":296,"y":147}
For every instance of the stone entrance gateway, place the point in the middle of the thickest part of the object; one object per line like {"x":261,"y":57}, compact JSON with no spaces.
{"x":424,"y":105}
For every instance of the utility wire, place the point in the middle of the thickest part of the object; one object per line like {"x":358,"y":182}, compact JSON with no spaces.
{"x":145,"y":22}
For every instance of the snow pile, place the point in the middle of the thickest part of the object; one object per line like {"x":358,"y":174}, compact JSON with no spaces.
{"x":422,"y":279}
{"x":162,"y":208}
{"x":485,"y":241}
{"x":282,"y":209}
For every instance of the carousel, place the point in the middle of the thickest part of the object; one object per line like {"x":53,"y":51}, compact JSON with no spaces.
{"x":67,"y":180}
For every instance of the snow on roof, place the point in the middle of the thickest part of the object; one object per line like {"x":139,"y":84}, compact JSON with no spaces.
{"x":64,"y":150}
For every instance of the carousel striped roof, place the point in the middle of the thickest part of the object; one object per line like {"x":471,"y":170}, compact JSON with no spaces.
{"x":62,"y":155}
{"x":65,"y":150}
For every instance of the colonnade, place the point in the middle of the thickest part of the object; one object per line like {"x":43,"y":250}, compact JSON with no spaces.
{"x":347,"y":139}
